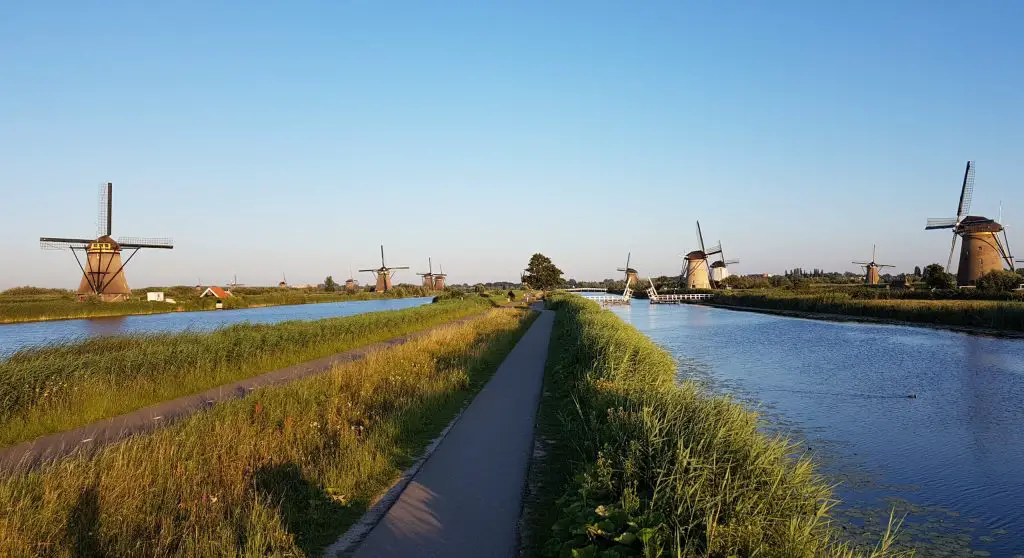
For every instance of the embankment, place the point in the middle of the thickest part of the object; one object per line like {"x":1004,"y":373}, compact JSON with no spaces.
{"x":635,"y":463}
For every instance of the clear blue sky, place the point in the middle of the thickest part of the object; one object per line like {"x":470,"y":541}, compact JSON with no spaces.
{"x":294,"y":137}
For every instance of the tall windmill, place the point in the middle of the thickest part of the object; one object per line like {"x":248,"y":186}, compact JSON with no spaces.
{"x":696,"y":270}
{"x":103,"y":271}
{"x":981,"y":250}
{"x":439,"y":279}
{"x":383,"y":273}
{"x":428,"y":277}
{"x":631,"y":278}
{"x":720,"y":268}
{"x":871,"y":268}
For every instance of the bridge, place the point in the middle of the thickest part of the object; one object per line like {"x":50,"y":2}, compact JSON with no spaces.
{"x":655,"y":298}
{"x":586,"y":290}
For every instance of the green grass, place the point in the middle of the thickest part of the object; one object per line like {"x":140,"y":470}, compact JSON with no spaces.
{"x":992,"y":314}
{"x":282,"y":472}
{"x":637,"y":464}
{"x":57,"y":388}
{"x":30,"y":304}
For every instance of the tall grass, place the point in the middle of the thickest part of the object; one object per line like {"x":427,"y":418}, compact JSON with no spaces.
{"x":30,"y":304}
{"x":282,"y":472}
{"x":991,"y":314}
{"x":61,"y":387}
{"x":638,"y":464}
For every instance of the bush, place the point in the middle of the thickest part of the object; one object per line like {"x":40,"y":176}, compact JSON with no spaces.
{"x":1000,"y":281}
{"x":935,"y":277}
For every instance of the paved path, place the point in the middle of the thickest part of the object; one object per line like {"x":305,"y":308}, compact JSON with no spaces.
{"x":98,"y":434}
{"x":467,"y":498}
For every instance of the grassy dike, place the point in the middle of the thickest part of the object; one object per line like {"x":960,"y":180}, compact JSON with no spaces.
{"x":636,"y":464}
{"x":61,"y":387}
{"x":983,"y":314}
{"x":282,"y":472}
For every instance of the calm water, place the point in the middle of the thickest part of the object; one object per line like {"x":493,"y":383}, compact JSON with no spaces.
{"x":16,"y":336}
{"x":952,"y":458}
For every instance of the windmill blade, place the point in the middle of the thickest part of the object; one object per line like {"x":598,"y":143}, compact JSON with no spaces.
{"x":404,"y":267}
{"x":872,"y":252}
{"x":940,"y":223}
{"x":628,"y":255}
{"x":430,"y":265}
{"x":700,"y":237}
{"x":382,"y":256}
{"x":369,"y":270}
{"x":103,"y":219}
{"x":730,"y":262}
{"x":884,"y":265}
{"x":952,"y":247}
{"x":142,"y":242}
{"x":716,"y":249}
{"x":966,"y":192}
{"x":50,"y":243}
{"x":1007,"y":255}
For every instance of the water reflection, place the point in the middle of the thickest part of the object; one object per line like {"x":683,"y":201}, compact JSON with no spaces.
{"x":16,"y":336}
{"x":951,"y":455}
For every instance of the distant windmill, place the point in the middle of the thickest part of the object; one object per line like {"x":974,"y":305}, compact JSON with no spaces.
{"x":428,"y":277}
{"x":697,"y":272}
{"x":383,"y":273}
{"x":351,"y":285}
{"x":439,"y":279}
{"x":103,"y":272}
{"x":871,"y":268}
{"x":720,"y":268}
{"x":631,"y":278}
{"x":981,"y":251}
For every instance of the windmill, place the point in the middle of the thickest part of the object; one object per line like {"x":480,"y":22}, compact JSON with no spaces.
{"x":981,"y":251}
{"x":720,"y":268}
{"x":631,"y":278}
{"x":871,"y":268}
{"x":696,"y":272}
{"x":428,"y":277}
{"x":383,"y":273}
{"x":439,"y":279}
{"x":351,"y":285}
{"x":103,"y":271}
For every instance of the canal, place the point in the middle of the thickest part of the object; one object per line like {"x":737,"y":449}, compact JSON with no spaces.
{"x":925,"y":421}
{"x":17,"y":336}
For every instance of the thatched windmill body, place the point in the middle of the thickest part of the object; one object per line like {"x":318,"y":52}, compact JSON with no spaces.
{"x":428,"y":277}
{"x":439,"y":280}
{"x":981,"y":249}
{"x":384,"y":274}
{"x":103,"y":270}
{"x":696,"y":269}
{"x":871,"y":269}
{"x":631,"y":276}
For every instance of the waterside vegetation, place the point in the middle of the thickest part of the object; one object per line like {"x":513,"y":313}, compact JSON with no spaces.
{"x":636,"y":464}
{"x":60,"y":387}
{"x":282,"y":472}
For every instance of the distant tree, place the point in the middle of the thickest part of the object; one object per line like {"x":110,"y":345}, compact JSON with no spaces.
{"x":542,"y":274}
{"x":999,"y":281}
{"x":917,"y":271}
{"x":329,"y":284}
{"x":935,"y":276}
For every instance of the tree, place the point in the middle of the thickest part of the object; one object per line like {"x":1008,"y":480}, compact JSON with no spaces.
{"x":329,"y":284}
{"x":917,"y":271}
{"x":542,"y":274}
{"x":935,"y":276}
{"x":999,"y":281}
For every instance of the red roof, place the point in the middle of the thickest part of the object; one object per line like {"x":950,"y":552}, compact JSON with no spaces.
{"x":216,"y":291}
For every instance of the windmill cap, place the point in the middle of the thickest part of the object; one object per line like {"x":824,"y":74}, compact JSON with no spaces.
{"x":976,"y":223}
{"x":106,"y":239}
{"x":718,"y":264}
{"x":696,"y":255}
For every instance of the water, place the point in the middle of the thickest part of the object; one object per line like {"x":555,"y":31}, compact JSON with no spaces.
{"x":17,"y":336}
{"x":952,"y":458}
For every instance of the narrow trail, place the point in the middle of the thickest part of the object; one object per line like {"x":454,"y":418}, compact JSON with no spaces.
{"x":92,"y":437}
{"x":467,"y":498}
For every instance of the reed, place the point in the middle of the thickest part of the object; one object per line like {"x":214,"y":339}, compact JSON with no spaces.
{"x":280,"y":473}
{"x":990,"y":314}
{"x":60,"y":387}
{"x":639,"y":464}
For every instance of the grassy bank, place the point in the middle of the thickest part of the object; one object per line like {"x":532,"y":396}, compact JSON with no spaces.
{"x":282,"y":472}
{"x":1005,"y":315}
{"x":58,"y":388}
{"x":27,"y":304}
{"x":637,"y":464}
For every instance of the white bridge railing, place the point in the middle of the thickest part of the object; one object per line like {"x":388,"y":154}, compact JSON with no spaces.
{"x":655,"y":298}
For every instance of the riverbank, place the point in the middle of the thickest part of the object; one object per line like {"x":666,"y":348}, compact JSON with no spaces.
{"x":987,"y":317}
{"x":48,"y":306}
{"x":633,"y":462}
{"x":281,"y":472}
{"x":58,"y":388}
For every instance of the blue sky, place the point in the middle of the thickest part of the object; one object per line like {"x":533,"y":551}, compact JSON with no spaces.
{"x":273,"y":137}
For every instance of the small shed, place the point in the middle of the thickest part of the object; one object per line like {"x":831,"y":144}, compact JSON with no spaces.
{"x":155,"y":297}
{"x":216,"y":292}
